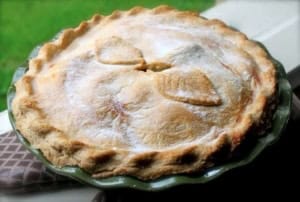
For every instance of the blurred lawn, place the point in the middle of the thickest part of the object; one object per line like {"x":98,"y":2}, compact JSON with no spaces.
{"x":26,"y":23}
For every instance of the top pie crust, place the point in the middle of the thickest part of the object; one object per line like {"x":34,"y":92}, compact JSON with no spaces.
{"x":144,"y":93}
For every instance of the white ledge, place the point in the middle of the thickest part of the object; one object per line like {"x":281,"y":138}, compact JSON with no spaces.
{"x":4,"y":123}
{"x":274,"y":23}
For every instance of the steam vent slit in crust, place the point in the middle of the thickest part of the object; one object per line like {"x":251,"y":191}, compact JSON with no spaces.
{"x":145,"y":93}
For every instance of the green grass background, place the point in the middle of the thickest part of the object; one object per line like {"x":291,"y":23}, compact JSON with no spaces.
{"x":27,"y":23}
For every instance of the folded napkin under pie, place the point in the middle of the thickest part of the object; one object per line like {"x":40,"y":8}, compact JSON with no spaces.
{"x":21,"y":171}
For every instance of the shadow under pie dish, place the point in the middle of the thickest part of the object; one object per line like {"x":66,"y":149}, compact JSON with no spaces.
{"x":145,"y":93}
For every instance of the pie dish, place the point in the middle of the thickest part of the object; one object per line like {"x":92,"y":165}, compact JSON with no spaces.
{"x":145,"y":93}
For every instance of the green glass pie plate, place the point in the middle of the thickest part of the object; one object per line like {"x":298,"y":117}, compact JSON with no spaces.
{"x":280,"y":119}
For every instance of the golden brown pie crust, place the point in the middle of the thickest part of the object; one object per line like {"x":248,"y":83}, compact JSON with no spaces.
{"x":145,"y":93}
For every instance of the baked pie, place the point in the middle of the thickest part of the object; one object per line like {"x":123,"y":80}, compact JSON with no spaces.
{"x":145,"y":93}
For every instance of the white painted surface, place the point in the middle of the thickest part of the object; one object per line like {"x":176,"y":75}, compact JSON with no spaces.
{"x":275,"y":23}
{"x":4,"y":122}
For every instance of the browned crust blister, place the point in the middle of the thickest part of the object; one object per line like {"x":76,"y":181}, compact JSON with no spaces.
{"x":61,"y":151}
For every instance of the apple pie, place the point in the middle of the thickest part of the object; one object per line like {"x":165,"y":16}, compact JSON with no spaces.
{"x":145,"y":93}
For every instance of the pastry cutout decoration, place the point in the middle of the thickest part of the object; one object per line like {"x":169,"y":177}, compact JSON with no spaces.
{"x":191,"y":87}
{"x":117,"y":51}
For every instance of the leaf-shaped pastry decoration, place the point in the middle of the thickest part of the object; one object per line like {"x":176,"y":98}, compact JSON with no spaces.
{"x":191,"y":87}
{"x":115,"y":50}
